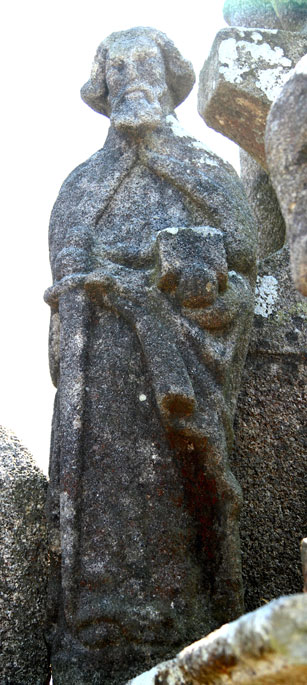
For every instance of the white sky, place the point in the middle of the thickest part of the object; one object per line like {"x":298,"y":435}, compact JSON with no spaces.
{"x":46,"y":53}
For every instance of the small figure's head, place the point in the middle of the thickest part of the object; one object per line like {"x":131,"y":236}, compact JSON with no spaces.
{"x":138,"y":76}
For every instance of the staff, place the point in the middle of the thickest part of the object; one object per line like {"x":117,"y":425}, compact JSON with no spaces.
{"x":68,"y":294}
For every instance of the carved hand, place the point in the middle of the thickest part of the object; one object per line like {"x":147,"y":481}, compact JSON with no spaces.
{"x":192,"y":265}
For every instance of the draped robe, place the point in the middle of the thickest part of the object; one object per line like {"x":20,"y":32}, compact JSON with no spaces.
{"x":143,"y":510}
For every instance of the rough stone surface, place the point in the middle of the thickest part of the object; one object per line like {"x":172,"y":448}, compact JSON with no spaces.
{"x":266,"y":647}
{"x":152,"y":248}
{"x":270,"y":14}
{"x":242,"y":76}
{"x":292,"y":14}
{"x":304,"y":561}
{"x":270,"y":456}
{"x":286,"y":151}
{"x":264,"y":203}
{"x":23,"y":566}
{"x":251,"y":13}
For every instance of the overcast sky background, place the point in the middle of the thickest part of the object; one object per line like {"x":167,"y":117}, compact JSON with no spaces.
{"x":46,"y":53}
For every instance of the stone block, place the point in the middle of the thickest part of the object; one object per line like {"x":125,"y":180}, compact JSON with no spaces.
{"x":242,"y":76}
{"x":23,"y":566}
{"x":265,"y":647}
{"x":251,"y":13}
{"x":264,"y":203}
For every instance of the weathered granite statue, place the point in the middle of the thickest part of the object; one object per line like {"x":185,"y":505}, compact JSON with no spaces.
{"x":152,"y":250}
{"x":23,"y":566}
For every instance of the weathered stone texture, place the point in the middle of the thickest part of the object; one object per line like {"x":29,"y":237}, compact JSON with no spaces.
{"x":271,"y":14}
{"x":264,"y":203}
{"x":265,"y":647}
{"x":242,"y":76}
{"x":251,"y":13}
{"x":270,"y":456}
{"x":304,"y":561}
{"x":153,"y":253}
{"x":286,"y":152}
{"x":23,"y":566}
{"x":292,"y":14}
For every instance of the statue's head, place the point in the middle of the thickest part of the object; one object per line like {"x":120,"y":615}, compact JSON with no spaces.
{"x":138,"y":76}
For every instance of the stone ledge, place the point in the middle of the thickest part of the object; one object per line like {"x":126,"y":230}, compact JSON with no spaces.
{"x":244,"y":73}
{"x":265,"y":647}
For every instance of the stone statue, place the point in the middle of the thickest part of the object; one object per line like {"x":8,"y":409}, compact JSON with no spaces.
{"x":152,"y":250}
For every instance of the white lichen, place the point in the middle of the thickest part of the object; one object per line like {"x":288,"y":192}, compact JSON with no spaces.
{"x":77,"y":423}
{"x":142,"y":398}
{"x":256,"y":36}
{"x":273,"y":56}
{"x":301,"y":67}
{"x":271,"y":81}
{"x":206,"y":230}
{"x":235,"y":62}
{"x":176,"y":127}
{"x":181,"y":132}
{"x":266,"y":295}
{"x":173,"y":230}
{"x":202,"y":230}
{"x":228,"y":56}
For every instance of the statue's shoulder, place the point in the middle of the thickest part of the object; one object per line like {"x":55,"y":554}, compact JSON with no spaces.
{"x":196,"y":150}
{"x":95,"y":176}
{"x":80,"y":175}
{"x":87,"y":189}
{"x":69,"y":208}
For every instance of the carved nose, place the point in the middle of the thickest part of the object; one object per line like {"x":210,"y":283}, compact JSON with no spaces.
{"x":132,"y":69}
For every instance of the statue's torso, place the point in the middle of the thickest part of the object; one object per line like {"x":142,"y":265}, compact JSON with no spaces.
{"x":142,"y":206}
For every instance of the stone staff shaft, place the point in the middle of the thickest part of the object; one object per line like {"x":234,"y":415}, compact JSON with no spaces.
{"x":69,"y":296}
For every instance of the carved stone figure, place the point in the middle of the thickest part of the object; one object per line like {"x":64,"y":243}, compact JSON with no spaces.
{"x":152,"y":250}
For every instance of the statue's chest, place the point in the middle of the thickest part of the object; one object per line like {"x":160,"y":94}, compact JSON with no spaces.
{"x":142,"y":205}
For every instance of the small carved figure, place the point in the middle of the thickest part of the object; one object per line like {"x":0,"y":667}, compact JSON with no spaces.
{"x":152,"y":250}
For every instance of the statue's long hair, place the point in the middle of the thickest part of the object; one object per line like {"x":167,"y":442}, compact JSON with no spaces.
{"x":179,"y":72}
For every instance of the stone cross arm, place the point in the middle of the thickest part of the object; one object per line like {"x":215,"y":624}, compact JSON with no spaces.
{"x":244,"y":73}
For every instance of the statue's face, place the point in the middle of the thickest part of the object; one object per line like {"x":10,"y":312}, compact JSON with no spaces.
{"x":135,"y":77}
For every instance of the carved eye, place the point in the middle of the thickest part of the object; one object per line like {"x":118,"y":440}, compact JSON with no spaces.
{"x":119,"y":66}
